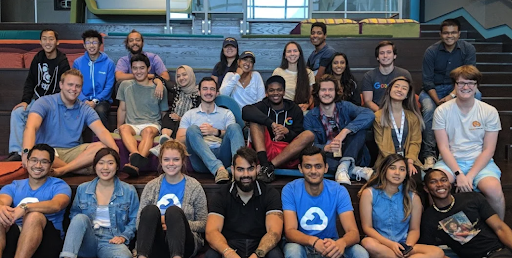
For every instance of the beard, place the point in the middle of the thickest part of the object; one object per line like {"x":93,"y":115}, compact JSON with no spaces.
{"x":245,"y":187}
{"x":134,"y":52}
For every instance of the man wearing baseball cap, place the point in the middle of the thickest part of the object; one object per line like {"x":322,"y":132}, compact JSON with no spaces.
{"x":276,"y":130}
{"x":245,"y":85}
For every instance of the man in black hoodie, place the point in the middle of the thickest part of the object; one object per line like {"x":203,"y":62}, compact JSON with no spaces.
{"x":43,"y":79}
{"x":276,"y":129}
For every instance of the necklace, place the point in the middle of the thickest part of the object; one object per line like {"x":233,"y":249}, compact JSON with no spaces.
{"x":449,"y":208}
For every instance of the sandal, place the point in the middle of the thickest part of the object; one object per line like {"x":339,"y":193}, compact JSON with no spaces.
{"x":131,"y":170}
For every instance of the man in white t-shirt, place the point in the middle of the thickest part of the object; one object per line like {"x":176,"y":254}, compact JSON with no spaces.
{"x":466,"y":131}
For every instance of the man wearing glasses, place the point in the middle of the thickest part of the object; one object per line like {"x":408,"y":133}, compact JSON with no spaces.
{"x":340,"y":130}
{"x":466,"y":131}
{"x":98,"y":71}
{"x":32,"y":210}
{"x":439,"y":60}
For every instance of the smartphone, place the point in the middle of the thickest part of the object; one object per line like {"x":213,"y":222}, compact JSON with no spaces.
{"x":407,"y":248}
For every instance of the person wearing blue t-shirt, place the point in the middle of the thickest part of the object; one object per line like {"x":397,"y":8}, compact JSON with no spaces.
{"x":58,"y":120}
{"x":321,"y":56}
{"x":311,"y":206}
{"x":32,"y":210}
{"x":172,"y":212}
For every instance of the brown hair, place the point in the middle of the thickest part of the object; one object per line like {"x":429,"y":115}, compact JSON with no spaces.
{"x":409,"y":103}
{"x":174,"y":145}
{"x":378,"y":181}
{"x":468,"y":72}
{"x":326,"y":78}
{"x":74,"y":72}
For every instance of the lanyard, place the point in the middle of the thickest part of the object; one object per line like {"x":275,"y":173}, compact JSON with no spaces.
{"x":399,"y":133}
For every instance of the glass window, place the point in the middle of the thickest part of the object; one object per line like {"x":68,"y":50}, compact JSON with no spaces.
{"x":277,"y":9}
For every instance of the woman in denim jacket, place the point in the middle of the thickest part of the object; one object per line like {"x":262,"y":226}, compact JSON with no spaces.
{"x":391,"y":213}
{"x":103,"y":214}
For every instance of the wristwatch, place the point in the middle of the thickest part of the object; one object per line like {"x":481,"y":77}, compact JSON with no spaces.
{"x":457,"y":173}
{"x":24,"y":207}
{"x":25,"y":151}
{"x":453,"y":95}
{"x":259,"y":253}
{"x":96,"y":101}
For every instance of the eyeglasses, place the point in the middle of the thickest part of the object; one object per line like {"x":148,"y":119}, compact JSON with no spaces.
{"x":34,"y":161}
{"x":92,"y":43}
{"x":446,"y":33}
{"x":462,"y":84}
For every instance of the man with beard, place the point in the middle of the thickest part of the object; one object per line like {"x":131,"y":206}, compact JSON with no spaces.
{"x":245,"y":217}
{"x":42,"y":79}
{"x":210,"y":133}
{"x":339,"y":126}
{"x":32,"y":210}
{"x":139,"y":113}
{"x":485,"y":234}
{"x":311,"y":206}
{"x":466,"y":131}
{"x":58,"y":120}
{"x":276,"y":130}
{"x":321,"y":56}
{"x":98,"y":70}
{"x":376,"y":81}
{"x":439,"y":60}
{"x":134,"y":43}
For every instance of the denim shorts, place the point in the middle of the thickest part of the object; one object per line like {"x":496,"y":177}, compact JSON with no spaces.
{"x":491,"y":169}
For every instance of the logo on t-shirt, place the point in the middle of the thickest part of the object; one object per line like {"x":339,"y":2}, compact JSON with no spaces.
{"x":28,"y":200}
{"x":459,"y":228}
{"x":378,"y":85}
{"x":314,"y":219}
{"x":168,"y":200}
{"x":288,"y":121}
{"x":476,"y":124}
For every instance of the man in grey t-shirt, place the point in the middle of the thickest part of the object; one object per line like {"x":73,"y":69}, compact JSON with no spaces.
{"x":139,"y":113}
{"x":376,"y":81}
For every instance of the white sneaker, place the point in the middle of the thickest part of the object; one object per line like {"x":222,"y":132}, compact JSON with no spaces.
{"x":163,"y":139}
{"x":429,"y":163}
{"x":342,"y":175}
{"x":156,"y":150}
{"x":362,"y":172}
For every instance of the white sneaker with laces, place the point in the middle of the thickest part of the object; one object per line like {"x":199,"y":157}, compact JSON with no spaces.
{"x":362,"y":172}
{"x":163,"y":138}
{"x":342,"y":175}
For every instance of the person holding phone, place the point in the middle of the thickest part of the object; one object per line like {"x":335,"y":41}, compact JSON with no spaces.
{"x":391,"y":213}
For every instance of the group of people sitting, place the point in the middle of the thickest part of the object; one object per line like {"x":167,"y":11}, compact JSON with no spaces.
{"x":245,"y":218}
{"x":303,"y":104}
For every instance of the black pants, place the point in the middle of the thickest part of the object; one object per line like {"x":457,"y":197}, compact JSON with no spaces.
{"x":103,"y":109}
{"x":50,"y":247}
{"x":504,"y":253}
{"x":153,"y":241}
{"x":244,"y":248}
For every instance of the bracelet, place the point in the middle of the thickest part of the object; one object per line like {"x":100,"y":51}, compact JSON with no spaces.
{"x":218,"y":133}
{"x":314,"y":243}
{"x":227,"y":251}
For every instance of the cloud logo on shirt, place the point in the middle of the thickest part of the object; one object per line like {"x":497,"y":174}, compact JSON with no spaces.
{"x":288,"y":121}
{"x":168,"y":200}
{"x":314,"y":219}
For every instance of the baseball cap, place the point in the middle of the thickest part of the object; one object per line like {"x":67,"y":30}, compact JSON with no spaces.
{"x":230,"y":41}
{"x":247,"y":54}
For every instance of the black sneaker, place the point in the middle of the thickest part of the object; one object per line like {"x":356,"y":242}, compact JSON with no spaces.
{"x":266,"y":174}
{"x":13,"y":156}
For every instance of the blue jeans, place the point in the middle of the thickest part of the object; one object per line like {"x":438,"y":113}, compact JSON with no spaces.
{"x":428,"y":106}
{"x":294,"y":250}
{"x":203,"y":158}
{"x":353,"y":151}
{"x":84,"y":240}
{"x":18,"y":122}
